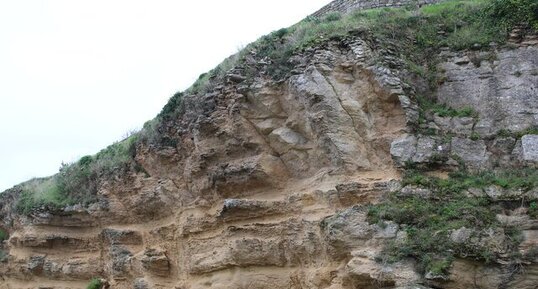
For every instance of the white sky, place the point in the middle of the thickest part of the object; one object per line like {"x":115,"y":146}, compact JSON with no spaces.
{"x":76,"y":75}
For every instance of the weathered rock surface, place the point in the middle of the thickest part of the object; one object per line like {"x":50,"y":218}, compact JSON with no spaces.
{"x":501,"y":86}
{"x":266,"y":184}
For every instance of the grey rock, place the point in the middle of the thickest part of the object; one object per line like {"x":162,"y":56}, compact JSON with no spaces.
{"x":35,"y":264}
{"x":529,"y":146}
{"x":121,"y":260}
{"x":141,"y":283}
{"x":503,"y":93}
{"x":502,"y":145}
{"x":284,"y":139}
{"x":126,"y":237}
{"x":444,"y":123}
{"x":52,"y":269}
{"x":236,"y":78}
{"x":455,"y":125}
{"x":474,"y":192}
{"x":473,"y":153}
{"x":497,"y":193}
{"x":403,"y":149}
{"x":515,"y":221}
{"x":462,"y":125}
{"x":461,"y":235}
{"x":267,"y":126}
{"x":426,"y":148}
{"x":346,"y":230}
{"x":387,"y":230}
{"x":409,"y":191}
{"x":532,"y":194}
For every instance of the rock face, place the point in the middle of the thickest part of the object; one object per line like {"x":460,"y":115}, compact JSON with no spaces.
{"x":500,"y":85}
{"x":529,"y":148}
{"x":266,"y":184}
{"x":241,"y":198}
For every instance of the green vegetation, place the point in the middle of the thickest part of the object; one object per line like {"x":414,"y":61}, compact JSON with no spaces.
{"x":77,"y":182}
{"x":42,"y":192}
{"x":507,"y":13}
{"x":533,"y":210}
{"x":174,"y":105}
{"x":429,"y":222}
{"x":475,"y":136}
{"x":428,"y":106}
{"x":525,"y":179}
{"x":517,"y":134}
{"x":3,"y":235}
{"x":95,"y":283}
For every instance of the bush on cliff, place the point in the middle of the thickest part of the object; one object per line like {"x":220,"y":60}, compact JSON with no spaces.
{"x":95,"y":283}
{"x":77,"y":182}
{"x":508,"y":13}
{"x":3,"y":235}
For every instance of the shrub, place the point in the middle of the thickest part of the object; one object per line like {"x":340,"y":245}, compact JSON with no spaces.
{"x":42,"y":192}
{"x":95,"y":283}
{"x":172,"y":106}
{"x":77,"y":182}
{"x":533,"y":210}
{"x":3,"y":235}
{"x":333,"y":16}
{"x":281,"y":32}
{"x":508,"y":13}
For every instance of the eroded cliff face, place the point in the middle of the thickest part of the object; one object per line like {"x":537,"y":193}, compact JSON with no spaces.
{"x":242,"y":200}
{"x":265,"y":184}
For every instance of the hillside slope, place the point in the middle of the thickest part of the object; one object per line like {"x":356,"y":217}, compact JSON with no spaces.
{"x":384,"y":148}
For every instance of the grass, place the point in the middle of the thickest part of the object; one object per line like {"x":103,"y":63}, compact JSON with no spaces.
{"x":517,"y":134}
{"x":3,"y":235}
{"x":77,"y":182}
{"x":512,"y":12}
{"x":95,"y":283}
{"x":429,"y":222}
{"x":428,"y":106}
{"x":524,"y":179}
{"x":42,"y":192}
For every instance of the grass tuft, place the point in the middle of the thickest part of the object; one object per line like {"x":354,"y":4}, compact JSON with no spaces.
{"x":95,"y":283}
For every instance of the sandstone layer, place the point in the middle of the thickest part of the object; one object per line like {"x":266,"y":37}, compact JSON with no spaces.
{"x":265,"y":184}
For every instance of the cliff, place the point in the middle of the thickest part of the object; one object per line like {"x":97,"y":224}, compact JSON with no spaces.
{"x":379,"y":149}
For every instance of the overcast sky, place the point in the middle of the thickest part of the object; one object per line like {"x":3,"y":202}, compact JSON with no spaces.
{"x":76,"y":75}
